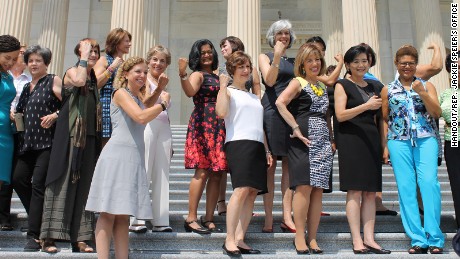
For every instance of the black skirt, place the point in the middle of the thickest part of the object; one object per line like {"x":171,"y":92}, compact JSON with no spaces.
{"x":247,"y":164}
{"x":277,"y":132}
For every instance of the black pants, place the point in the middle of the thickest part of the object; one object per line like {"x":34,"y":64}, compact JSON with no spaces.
{"x":452,"y":156}
{"x":6,"y":192}
{"x":29,"y":183}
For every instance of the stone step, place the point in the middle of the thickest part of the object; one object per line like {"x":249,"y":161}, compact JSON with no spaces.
{"x":276,"y":244}
{"x":387,"y":176}
{"x":153,"y":254}
{"x":182,"y":196}
{"x":387,"y":186}
{"x":177,"y":195}
{"x":327,"y":205}
{"x":177,"y":165}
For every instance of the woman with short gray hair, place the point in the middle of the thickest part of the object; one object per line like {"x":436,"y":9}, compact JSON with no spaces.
{"x":277,"y":71}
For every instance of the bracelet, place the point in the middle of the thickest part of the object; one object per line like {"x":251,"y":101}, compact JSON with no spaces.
{"x":83,"y":63}
{"x":268,"y":152}
{"x":275,"y":65}
{"x":57,"y":113}
{"x":295,"y":127}
{"x":184,"y":77}
{"x":111,"y":70}
{"x":163,"y":106}
{"x":107,"y":74}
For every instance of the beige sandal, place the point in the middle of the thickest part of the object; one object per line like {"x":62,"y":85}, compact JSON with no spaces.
{"x":48,"y":246}
{"x":81,"y":247}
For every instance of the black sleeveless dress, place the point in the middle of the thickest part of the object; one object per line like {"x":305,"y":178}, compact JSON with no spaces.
{"x":310,"y":165}
{"x":276,"y":129}
{"x":359,"y":147}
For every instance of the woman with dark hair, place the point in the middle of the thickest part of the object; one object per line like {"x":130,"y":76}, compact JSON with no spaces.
{"x":9,"y":52}
{"x":245,"y":150}
{"x":20,"y":78}
{"x":76,"y":146}
{"x":40,"y":101}
{"x":410,"y":106}
{"x":319,"y":42}
{"x":229,"y":45}
{"x":204,"y":145}
{"x":370,"y":78}
{"x":117,"y":44}
{"x":310,"y":149}
{"x":451,"y":154}
{"x":277,"y":71}
{"x":356,"y":105}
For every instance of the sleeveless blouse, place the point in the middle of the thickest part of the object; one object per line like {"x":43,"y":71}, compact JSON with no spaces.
{"x":35,"y":105}
{"x":285,"y":74}
{"x":408,"y":116}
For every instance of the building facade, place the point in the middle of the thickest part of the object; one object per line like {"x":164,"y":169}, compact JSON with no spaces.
{"x":384,"y":24}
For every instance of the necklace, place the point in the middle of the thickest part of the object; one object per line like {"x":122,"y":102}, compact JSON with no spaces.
{"x":244,"y":90}
{"x":318,"y":88}
{"x":136,"y":99}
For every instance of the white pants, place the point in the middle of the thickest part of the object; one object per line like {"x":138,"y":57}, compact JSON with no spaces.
{"x":157,"y":137}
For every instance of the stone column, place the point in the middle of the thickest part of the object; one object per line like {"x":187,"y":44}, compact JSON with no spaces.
{"x":151,"y":25}
{"x":129,"y":15}
{"x":15,"y":17}
{"x":428,"y":29}
{"x":243,"y":21}
{"x":331,"y":18}
{"x":53,"y":33}
{"x":360,"y":25}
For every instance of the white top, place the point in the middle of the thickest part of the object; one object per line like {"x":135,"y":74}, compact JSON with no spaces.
{"x":19,"y":83}
{"x":163,"y":116}
{"x":244,"y":120}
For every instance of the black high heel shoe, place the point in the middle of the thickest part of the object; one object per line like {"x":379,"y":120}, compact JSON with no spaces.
{"x":249,"y":251}
{"x":206,"y":223}
{"x":235,"y":253}
{"x":376,"y":250}
{"x":200,"y":230}
{"x":301,"y":252}
{"x":316,"y":250}
{"x":360,"y":251}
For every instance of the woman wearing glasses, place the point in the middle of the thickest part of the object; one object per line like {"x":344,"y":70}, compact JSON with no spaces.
{"x":410,"y":107}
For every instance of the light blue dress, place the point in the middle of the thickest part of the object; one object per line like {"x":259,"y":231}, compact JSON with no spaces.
{"x":7,"y":94}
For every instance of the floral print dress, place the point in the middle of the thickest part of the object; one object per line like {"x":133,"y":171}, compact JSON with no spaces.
{"x":204,"y":146}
